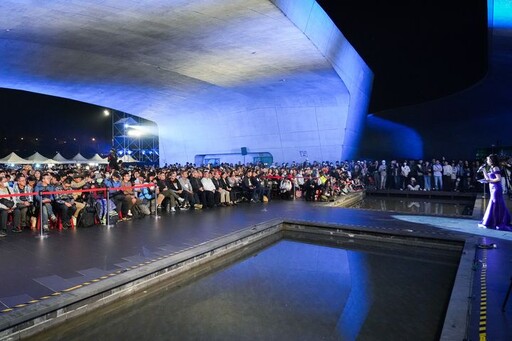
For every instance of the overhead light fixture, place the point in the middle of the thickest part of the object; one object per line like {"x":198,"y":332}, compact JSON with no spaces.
{"x":134,"y":133}
{"x":140,"y":130}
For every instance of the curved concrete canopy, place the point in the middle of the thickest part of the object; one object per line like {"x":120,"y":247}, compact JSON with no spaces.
{"x":215,"y":75}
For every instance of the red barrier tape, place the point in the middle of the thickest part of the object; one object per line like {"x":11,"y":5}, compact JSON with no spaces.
{"x":103,"y":189}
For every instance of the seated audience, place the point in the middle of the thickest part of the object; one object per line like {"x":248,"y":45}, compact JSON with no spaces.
{"x":286,"y":188}
{"x":65,"y":203}
{"x":6,"y":205}
{"x":209,"y":189}
{"x":197,"y":188}
{"x":24,"y":204}
{"x":188,"y":191}
{"x":45,"y":198}
{"x":130,"y":197}
{"x":116,"y":194}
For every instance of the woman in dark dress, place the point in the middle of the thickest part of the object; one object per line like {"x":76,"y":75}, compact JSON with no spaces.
{"x":496,"y":215}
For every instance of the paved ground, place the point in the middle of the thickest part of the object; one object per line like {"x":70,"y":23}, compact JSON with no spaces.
{"x":32,"y":268}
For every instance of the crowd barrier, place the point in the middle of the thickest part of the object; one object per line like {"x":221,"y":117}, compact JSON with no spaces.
{"x":105,"y":190}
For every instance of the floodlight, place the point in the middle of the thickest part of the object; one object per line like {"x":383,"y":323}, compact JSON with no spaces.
{"x":134,"y":133}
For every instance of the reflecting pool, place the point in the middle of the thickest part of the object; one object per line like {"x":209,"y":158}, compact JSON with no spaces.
{"x":290,"y":290}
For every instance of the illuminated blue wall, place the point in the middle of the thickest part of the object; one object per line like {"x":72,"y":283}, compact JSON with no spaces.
{"x":500,"y":13}
{"x":390,"y":140}
{"x":310,"y":18}
{"x":215,"y":75}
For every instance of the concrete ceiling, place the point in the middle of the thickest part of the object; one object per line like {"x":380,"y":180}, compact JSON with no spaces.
{"x":189,"y":65}
{"x":145,"y":57}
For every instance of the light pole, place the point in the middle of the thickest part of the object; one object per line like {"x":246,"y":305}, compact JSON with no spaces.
{"x":107,"y":113}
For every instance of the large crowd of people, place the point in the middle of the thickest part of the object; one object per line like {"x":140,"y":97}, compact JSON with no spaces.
{"x":435,"y":175}
{"x":143,"y":190}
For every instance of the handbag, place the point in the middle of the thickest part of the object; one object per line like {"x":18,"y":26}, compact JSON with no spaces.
{"x":6,"y":202}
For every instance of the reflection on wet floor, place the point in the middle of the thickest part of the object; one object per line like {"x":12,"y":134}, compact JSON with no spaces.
{"x":437,"y":207}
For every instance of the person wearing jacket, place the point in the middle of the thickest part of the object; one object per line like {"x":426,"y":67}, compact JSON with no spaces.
{"x":188,"y":191}
{"x":6,"y":205}
{"x":115,"y":193}
{"x":23,"y":204}
{"x":46,"y":199}
{"x":146,"y":195}
{"x":65,"y":203}
{"x":197,"y":188}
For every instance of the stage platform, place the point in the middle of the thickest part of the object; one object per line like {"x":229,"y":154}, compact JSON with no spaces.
{"x":36,"y":271}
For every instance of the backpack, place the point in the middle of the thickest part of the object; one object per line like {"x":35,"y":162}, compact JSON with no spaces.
{"x":139,"y":211}
{"x":101,"y":209}
{"x":113,"y":218}
{"x":86,"y":218}
{"x":145,"y":209}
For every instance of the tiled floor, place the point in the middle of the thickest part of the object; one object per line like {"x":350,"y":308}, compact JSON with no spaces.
{"x":32,"y":268}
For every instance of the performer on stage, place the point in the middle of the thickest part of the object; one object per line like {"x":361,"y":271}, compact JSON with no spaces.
{"x":496,"y":215}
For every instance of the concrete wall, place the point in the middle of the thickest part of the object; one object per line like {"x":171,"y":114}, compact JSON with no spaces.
{"x":311,"y":19}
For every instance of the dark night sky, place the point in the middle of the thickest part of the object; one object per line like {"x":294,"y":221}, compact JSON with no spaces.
{"x":419,"y":50}
{"x":49,"y":124}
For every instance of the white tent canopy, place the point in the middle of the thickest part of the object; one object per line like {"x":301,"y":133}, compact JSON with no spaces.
{"x":38,"y":158}
{"x":98,"y":159}
{"x":14,"y":158}
{"x":61,"y":159}
{"x":79,"y":158}
{"x":128,"y":159}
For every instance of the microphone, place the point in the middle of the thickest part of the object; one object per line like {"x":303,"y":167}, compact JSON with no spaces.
{"x":481,"y":168}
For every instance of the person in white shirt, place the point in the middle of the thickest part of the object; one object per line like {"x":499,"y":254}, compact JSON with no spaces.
{"x":383,"y":174}
{"x":209,"y":189}
{"x":404,"y":174}
{"x":285,"y":188}
{"x":447,"y":176}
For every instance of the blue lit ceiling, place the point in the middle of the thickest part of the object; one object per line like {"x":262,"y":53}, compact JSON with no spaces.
{"x":215,"y":75}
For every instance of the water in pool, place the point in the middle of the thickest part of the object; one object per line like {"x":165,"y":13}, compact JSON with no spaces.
{"x":289,"y":291}
{"x":425,"y":206}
